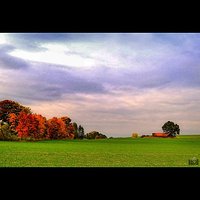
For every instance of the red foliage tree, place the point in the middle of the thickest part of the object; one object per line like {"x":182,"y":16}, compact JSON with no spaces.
{"x":69,"y":127}
{"x":25,"y":124}
{"x":7,"y":107}
{"x":56,"y":128}
{"x":70,"y":131}
{"x":42,"y":126}
{"x":28,"y":125}
{"x":13,"y":121}
{"x":66,"y":119}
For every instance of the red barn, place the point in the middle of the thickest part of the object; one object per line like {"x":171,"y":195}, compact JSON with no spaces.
{"x":160,"y":135}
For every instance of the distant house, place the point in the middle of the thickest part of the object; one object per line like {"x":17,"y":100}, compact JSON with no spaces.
{"x":160,"y":135}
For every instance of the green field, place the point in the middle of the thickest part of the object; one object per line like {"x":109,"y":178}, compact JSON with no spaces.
{"x":117,"y":152}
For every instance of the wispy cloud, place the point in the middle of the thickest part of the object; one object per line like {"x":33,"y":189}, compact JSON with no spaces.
{"x":116,"y":83}
{"x":9,"y":62}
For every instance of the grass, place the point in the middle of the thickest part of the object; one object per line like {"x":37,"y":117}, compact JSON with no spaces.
{"x":116,"y":152}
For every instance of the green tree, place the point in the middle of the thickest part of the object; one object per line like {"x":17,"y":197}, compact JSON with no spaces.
{"x":80,"y":132}
{"x":171,"y":128}
{"x":75,"y":126}
{"x":5,"y":132}
{"x":95,"y":135}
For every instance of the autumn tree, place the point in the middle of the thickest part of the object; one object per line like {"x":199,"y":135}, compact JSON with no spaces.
{"x":28,"y":125}
{"x":13,"y":121}
{"x":69,"y":127}
{"x":56,"y":128}
{"x":70,"y":131}
{"x":7,"y":107}
{"x":22,"y":123}
{"x":41,"y":126}
{"x":66,"y":120}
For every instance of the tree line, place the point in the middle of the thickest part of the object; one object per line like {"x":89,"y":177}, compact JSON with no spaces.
{"x":19,"y":122}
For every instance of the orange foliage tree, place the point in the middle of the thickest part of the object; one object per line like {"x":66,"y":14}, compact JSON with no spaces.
{"x":13,"y":121}
{"x":25,"y":124}
{"x":28,"y":125}
{"x":56,"y":128}
{"x":42,"y":126}
{"x":69,"y":127}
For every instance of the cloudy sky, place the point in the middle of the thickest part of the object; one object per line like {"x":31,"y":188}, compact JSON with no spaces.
{"x":115,"y":83}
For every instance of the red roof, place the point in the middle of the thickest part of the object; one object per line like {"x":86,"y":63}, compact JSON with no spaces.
{"x":159,"y":134}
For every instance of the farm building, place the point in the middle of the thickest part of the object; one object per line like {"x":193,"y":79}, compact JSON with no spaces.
{"x":160,"y":135}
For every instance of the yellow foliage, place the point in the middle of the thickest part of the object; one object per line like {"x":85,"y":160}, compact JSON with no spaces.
{"x":134,"y":135}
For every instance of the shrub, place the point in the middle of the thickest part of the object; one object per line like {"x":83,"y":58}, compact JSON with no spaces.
{"x":95,"y":135}
{"x":29,"y":139}
{"x":101,"y":136}
{"x":134,"y":135}
{"x":6,"y":134}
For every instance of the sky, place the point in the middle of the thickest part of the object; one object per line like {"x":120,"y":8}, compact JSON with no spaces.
{"x":114,"y":83}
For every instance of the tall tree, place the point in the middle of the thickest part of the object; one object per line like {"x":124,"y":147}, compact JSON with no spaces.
{"x":42,"y":126}
{"x":56,"y":128}
{"x":75,"y":127}
{"x":13,"y":121}
{"x":171,"y":128}
{"x":28,"y":125}
{"x":69,"y":127}
{"x":7,"y":107}
{"x":80,"y":132}
{"x":66,"y":119}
